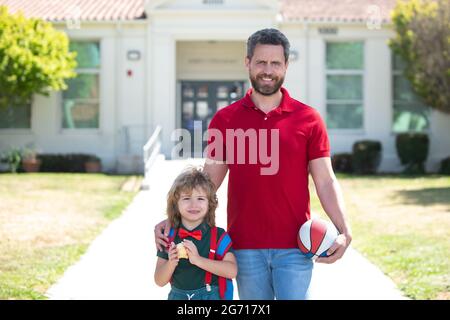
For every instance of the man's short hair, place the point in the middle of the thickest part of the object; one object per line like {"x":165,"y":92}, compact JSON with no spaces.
{"x":268,"y":36}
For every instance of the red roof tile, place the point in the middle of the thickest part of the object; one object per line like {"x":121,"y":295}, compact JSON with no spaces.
{"x":85,"y":10}
{"x":336,"y":10}
{"x":291,"y":10}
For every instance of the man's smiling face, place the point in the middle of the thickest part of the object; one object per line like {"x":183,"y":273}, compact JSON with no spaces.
{"x":267,"y":68}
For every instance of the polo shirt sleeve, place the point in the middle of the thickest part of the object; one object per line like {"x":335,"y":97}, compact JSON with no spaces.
{"x":318,"y":143}
{"x":216,"y":139}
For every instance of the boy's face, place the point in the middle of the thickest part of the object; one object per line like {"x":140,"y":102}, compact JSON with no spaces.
{"x":267,"y":68}
{"x":193,"y":206}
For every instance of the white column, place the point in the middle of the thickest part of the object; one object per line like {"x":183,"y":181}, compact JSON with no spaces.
{"x":163,"y":87}
{"x":378,"y":103}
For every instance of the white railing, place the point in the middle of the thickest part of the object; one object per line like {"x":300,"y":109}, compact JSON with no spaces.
{"x":151,"y":150}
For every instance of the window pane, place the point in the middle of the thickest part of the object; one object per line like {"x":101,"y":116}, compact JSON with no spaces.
{"x":344,"y":87}
{"x":222,"y":104}
{"x":344,"y":116}
{"x":88,"y":54}
{"x":202,"y":91}
{"x":188,"y":91}
{"x":222,"y":92}
{"x":80,"y":114}
{"x":410,"y":117}
{"x":345,"y":55}
{"x":398,"y":62}
{"x":84,"y":86}
{"x":188,"y":110}
{"x":403,"y":90}
{"x":18,"y":117}
{"x":202,"y":109}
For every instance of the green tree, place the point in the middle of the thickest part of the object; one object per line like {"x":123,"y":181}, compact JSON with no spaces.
{"x":34,"y":58}
{"x":423,"y":41}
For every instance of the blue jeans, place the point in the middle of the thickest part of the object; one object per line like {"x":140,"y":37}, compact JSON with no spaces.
{"x":197,"y":294}
{"x":265,"y":274}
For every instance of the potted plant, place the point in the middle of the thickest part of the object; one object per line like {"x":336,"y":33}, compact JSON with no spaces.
{"x":30,"y":161}
{"x":12,"y":158}
{"x":93,"y":164}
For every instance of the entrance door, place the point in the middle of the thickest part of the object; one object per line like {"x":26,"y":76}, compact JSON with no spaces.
{"x":200,"y":100}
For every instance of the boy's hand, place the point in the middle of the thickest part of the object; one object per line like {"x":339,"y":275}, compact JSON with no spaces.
{"x":191,"y":251}
{"x":173,"y":254}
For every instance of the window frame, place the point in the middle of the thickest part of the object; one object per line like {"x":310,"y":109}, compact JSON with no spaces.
{"x":95,"y":71}
{"x":351,"y":72}
{"x":21,"y":130}
{"x":399,"y":72}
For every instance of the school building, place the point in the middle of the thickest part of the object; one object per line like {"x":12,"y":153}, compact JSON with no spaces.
{"x":167,"y":63}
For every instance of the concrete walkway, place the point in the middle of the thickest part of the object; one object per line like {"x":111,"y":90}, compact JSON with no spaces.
{"x":120,"y":263}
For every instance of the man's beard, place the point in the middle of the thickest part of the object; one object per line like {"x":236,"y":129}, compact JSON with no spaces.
{"x":266,"y":90}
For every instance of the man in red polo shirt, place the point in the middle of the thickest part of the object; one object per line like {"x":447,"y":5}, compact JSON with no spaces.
{"x":270,"y":143}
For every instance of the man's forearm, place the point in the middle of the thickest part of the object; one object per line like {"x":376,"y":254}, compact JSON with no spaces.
{"x":216,"y":171}
{"x":332,"y":200}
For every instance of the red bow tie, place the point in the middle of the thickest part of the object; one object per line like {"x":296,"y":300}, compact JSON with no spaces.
{"x":197,"y":234}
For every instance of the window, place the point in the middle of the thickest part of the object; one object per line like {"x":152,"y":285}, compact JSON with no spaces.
{"x":344,"y":93}
{"x":410,"y":113}
{"x":17,"y":117}
{"x":81,"y":102}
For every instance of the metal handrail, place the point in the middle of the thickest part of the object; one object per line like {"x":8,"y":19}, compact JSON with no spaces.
{"x":151,"y":149}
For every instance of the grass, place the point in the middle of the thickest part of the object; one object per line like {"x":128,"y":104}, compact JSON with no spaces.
{"x":402,"y":224}
{"x":47,"y":222}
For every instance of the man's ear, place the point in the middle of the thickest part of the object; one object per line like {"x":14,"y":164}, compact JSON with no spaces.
{"x":247,"y":62}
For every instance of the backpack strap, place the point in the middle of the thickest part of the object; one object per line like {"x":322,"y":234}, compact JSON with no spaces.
{"x":223,"y":245}
{"x":225,"y":285}
{"x":171,"y":236}
{"x":217,"y":251}
{"x":211,"y":255}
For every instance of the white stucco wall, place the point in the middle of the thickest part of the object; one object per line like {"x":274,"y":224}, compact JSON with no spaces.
{"x":306,"y":81}
{"x":169,"y":43}
{"x":122,"y":100}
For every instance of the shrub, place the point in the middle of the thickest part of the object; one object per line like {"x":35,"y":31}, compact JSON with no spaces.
{"x":412,"y":149}
{"x":63,"y":162}
{"x":342,"y":162}
{"x":366,"y":156}
{"x":445,"y":166}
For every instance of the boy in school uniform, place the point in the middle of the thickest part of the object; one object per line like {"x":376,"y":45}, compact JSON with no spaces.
{"x":199,"y":262}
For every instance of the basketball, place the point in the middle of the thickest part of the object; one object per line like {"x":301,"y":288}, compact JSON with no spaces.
{"x":315,"y":237}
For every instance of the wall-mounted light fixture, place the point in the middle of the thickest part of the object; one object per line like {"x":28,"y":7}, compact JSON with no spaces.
{"x":133,"y":55}
{"x":293,"y":55}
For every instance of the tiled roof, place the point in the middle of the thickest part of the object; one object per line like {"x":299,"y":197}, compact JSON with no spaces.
{"x":336,"y":10}
{"x":291,"y":10}
{"x":85,"y":10}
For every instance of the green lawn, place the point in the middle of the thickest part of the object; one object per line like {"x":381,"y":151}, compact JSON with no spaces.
{"x":47,"y":222}
{"x":402,"y":224}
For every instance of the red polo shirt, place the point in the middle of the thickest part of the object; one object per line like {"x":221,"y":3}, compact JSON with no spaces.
{"x":267,"y":208}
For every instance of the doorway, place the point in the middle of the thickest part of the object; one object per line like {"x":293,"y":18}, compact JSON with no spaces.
{"x":200,"y":100}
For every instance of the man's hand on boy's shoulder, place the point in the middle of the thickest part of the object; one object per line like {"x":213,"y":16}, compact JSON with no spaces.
{"x":161,"y":235}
